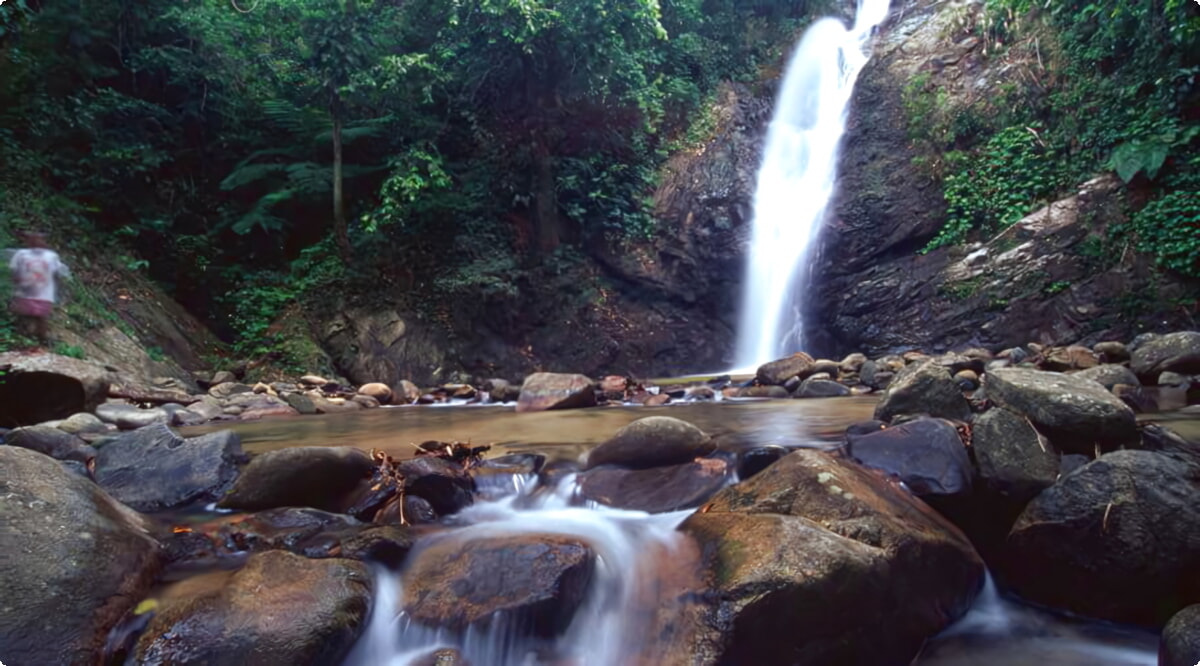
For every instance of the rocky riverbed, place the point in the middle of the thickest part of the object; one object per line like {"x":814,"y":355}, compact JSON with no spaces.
{"x":1045,"y":465}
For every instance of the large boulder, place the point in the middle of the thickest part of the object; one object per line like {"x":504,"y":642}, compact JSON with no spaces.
{"x":657,"y":489}
{"x":1174,"y":352}
{"x":35,"y":388}
{"x":444,"y":484}
{"x":1180,"y":645}
{"x":1118,"y":539}
{"x":549,"y":390}
{"x":321,"y":477}
{"x":52,"y":442}
{"x":1078,"y":415}
{"x":1015,"y":463}
{"x":536,"y":580}
{"x":152,"y":468}
{"x":1109,"y":375}
{"x":814,"y":387}
{"x":653,"y":441}
{"x":817,"y":560}
{"x":923,"y":387}
{"x":75,"y":560}
{"x":926,"y":454}
{"x":131,"y":417}
{"x":778,"y":372}
{"x":279,"y":609}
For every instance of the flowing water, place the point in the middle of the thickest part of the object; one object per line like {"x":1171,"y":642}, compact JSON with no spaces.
{"x":641,"y":558}
{"x":796,"y":179}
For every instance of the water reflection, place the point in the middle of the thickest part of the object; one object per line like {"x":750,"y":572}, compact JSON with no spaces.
{"x":567,"y":433}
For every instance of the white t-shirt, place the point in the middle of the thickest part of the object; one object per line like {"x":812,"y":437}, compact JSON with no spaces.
{"x":34,"y":271}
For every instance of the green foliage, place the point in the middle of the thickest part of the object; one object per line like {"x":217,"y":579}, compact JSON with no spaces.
{"x":1168,"y":226}
{"x":72,"y":351}
{"x":1014,"y":172}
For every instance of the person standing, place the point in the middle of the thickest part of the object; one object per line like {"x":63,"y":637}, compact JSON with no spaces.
{"x":35,"y":271}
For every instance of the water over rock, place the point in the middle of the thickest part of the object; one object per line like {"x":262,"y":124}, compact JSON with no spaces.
{"x":75,"y":560}
{"x":152,"y":468}
{"x":1115,"y":539}
{"x":1077,"y":415}
{"x":279,"y":609}
{"x":444,"y":484}
{"x":923,"y":387}
{"x":44,"y":387}
{"x":1174,"y":352}
{"x":657,"y":489}
{"x":548,"y":390}
{"x":652,"y":441}
{"x":826,"y":562}
{"x":536,"y":580}
{"x":321,"y":477}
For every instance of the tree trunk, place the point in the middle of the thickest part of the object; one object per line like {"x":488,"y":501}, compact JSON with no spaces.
{"x":340,"y":228}
{"x":542,"y":180}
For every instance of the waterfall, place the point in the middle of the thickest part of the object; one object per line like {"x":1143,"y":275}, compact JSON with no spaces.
{"x":603,"y":630}
{"x":796,"y":180}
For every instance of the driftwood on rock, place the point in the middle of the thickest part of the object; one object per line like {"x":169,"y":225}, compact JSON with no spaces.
{"x":142,"y":394}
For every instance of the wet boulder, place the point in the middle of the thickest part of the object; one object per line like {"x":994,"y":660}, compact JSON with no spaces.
{"x":1115,"y":539}
{"x":83,"y":424}
{"x":821,"y":388}
{"x":35,"y":388}
{"x":827,"y":562}
{"x":926,"y":454}
{"x":1078,"y":415}
{"x":776,"y":373}
{"x":279,"y":609}
{"x":1180,"y":645}
{"x":536,"y":581}
{"x":443,"y":483}
{"x":130,"y":417}
{"x":1015,"y":463}
{"x":405,"y":392}
{"x":652,"y":441}
{"x":75,"y":560}
{"x":321,"y":477}
{"x":762,"y":391}
{"x":657,"y":489}
{"x":381,"y":392}
{"x":1109,"y":375}
{"x":1174,"y":352}
{"x":924,"y":387}
{"x":52,"y":442}
{"x":152,"y":468}
{"x":752,"y":461}
{"x":549,"y":390}
{"x":1111,"y":351}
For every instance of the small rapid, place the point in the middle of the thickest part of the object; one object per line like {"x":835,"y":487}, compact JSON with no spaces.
{"x":796,"y":179}
{"x":603,"y":630}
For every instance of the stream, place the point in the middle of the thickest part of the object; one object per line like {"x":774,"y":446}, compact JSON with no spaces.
{"x":610,"y":626}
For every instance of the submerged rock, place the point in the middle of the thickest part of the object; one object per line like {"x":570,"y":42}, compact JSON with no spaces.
{"x":826,"y":562}
{"x":548,"y":390}
{"x":1077,"y":414}
{"x":280,"y":609}
{"x":652,"y":441}
{"x":1115,"y":539}
{"x":537,"y":580}
{"x":75,"y":560}
{"x":763,"y":392}
{"x":821,"y":388}
{"x":321,"y":477}
{"x":152,"y":468}
{"x":924,"y":387}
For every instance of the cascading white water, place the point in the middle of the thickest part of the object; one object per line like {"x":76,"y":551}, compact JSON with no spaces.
{"x":796,"y":179}
{"x":600,"y":632}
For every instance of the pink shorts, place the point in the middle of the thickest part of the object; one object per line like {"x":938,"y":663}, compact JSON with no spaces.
{"x":31,"y":307}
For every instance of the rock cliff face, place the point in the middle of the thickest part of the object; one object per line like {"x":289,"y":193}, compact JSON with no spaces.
{"x":1052,"y":277}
